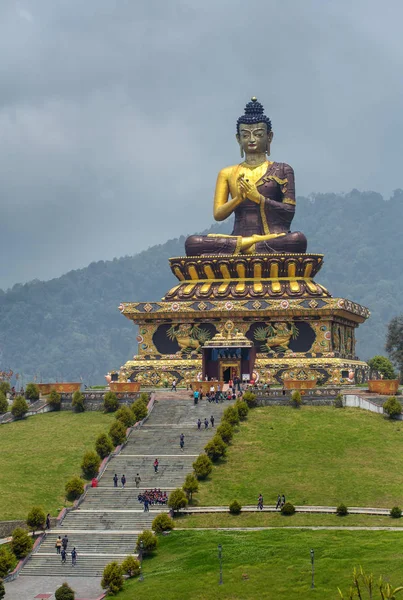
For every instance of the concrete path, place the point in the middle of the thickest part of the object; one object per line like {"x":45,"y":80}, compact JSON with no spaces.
{"x":27,"y":588}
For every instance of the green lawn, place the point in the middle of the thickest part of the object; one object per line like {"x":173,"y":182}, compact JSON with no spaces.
{"x":39,"y":454}
{"x":314,"y":455}
{"x":276,"y":563}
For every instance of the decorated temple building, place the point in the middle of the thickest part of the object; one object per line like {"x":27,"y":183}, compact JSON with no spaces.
{"x":247,"y":305}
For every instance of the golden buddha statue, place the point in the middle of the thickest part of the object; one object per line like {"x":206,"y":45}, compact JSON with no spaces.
{"x":260,"y":193}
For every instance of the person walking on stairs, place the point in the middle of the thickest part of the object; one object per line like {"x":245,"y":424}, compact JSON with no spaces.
{"x":146,"y":509}
{"x":156,"y":463}
{"x":260,"y":502}
{"x":74,"y":557}
{"x":137,"y":480}
{"x":173,"y":388}
{"x":282,"y":500}
{"x":278,"y":505}
{"x":65,"y":541}
{"x":58,"y":545}
{"x":212,"y":421}
{"x":205,"y":423}
{"x":115,"y":480}
{"x":198,"y":424}
{"x":182,"y":442}
{"x":63,"y":554}
{"x":48,"y":521}
{"x":123,"y":481}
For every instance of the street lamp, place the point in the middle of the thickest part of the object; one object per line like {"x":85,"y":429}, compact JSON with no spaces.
{"x":313,"y":568}
{"x":220,"y":559}
{"x":141,"y":578}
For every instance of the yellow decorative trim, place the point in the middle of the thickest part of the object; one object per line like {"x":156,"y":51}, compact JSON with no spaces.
{"x":257,"y":270}
{"x":209,"y":271}
{"x":276,"y":287}
{"x":240,"y":269}
{"x":308,"y":270}
{"x":238,"y":246}
{"x":193,"y":273}
{"x":225,"y":272}
{"x":311,"y":286}
{"x":257,"y":288}
{"x":294,"y":286}
{"x":246,"y":279}
{"x":291,"y":269}
{"x":240,"y":288}
{"x":205,"y":288}
{"x":189,"y":288}
{"x":179,"y":274}
{"x":274,"y":270}
{"x":263,"y":216}
{"x":223,"y":288}
{"x":289,"y":201}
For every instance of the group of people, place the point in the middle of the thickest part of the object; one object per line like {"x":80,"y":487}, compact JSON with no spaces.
{"x":279,"y":505}
{"x":152,"y":497}
{"x":61,"y":548}
{"x":122,"y":481}
{"x":206,"y":422}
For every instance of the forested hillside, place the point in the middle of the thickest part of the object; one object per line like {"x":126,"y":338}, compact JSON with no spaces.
{"x":70,"y":328}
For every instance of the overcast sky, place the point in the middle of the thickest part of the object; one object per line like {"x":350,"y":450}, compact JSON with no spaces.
{"x":116,"y":115}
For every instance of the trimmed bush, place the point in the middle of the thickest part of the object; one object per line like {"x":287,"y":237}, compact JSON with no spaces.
{"x":177,"y":499}
{"x":202,"y":466}
{"x":111,"y":403}
{"x":191,"y":486}
{"x":117,"y":433}
{"x":74,"y":488}
{"x":103,"y":445}
{"x":288,"y":509}
{"x":215,"y":448}
{"x":396,"y":512}
{"x":162,"y":522}
{"x":342,"y":510}
{"x":338,"y":401}
{"x":55,"y":400}
{"x":90,"y":464}
{"x":150,"y":542}
{"x":296,"y":399}
{"x":392,"y":407}
{"x":36,"y":518}
{"x":230,"y":415}
{"x":235,"y":507}
{"x":144,"y":397}
{"x":112,"y":578}
{"x":250,"y":399}
{"x":242,"y":408}
{"x":78,"y":401}
{"x":19,"y":407}
{"x":21,"y":544}
{"x":5,"y":387}
{"x":131,"y":566}
{"x":139,"y":410}
{"x":3,"y":403}
{"x":226,"y":432}
{"x":32,"y":392}
{"x":125,"y":416}
{"x":64,"y":592}
{"x":7,"y":560}
{"x":383,"y":365}
{"x":2,"y":589}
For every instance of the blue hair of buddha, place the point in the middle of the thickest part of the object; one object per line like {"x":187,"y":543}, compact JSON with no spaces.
{"x":254,"y":113}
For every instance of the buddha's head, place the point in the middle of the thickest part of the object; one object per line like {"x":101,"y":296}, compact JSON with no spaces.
{"x":254,"y":132}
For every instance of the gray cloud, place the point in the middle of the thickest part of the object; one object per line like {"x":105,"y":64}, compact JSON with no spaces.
{"x":115,"y":117}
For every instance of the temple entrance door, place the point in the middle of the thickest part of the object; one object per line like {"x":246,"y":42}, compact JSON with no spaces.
{"x":229,"y":369}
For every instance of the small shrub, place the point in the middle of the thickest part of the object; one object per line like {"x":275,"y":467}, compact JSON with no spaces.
{"x":342,"y":510}
{"x":19,"y":407}
{"x":396,"y":512}
{"x":90,"y":464}
{"x":288,"y":509}
{"x":32,"y":392}
{"x":5,"y":387}
{"x":392,"y":407}
{"x":36,"y":518}
{"x":103,"y":445}
{"x":139,"y":410}
{"x":2,"y":590}
{"x":226,"y":432}
{"x":202,"y":466}
{"x":7,"y":560}
{"x":296,"y":399}
{"x":242,"y":408}
{"x":177,"y":499}
{"x":78,"y":401}
{"x":117,"y":432}
{"x":112,"y":578}
{"x":230,"y":415}
{"x":338,"y":401}
{"x":191,"y":486}
{"x":215,"y":448}
{"x":3,"y":403}
{"x":144,"y":397}
{"x":235,"y":507}
{"x":125,"y":416}
{"x":64,"y":592}
{"x":74,"y":488}
{"x":131,"y":566}
{"x":21,"y":544}
{"x":150,"y":542}
{"x":55,"y":400}
{"x":250,"y":399}
{"x":111,"y":403}
{"x":162,"y":522}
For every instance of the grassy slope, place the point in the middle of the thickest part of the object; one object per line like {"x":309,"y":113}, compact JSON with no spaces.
{"x":276,"y":562}
{"x":39,"y":454}
{"x":320,"y":456}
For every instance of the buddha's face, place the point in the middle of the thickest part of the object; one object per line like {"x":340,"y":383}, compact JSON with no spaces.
{"x":254,"y":139}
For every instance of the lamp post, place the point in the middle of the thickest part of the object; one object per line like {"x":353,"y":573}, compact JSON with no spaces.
{"x":313,"y":568}
{"x":141,"y":578}
{"x":220,"y":559}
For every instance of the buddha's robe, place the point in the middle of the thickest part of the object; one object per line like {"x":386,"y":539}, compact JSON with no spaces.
{"x":275,"y":183}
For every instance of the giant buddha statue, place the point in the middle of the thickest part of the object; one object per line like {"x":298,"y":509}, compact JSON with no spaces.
{"x":260,"y":193}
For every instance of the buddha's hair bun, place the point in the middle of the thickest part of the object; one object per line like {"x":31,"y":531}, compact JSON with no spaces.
{"x":254,"y":113}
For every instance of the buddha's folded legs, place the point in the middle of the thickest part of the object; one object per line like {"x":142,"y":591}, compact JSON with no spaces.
{"x":291,"y":242}
{"x":198,"y":245}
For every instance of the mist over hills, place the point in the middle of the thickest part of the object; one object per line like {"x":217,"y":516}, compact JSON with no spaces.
{"x":70,"y":328}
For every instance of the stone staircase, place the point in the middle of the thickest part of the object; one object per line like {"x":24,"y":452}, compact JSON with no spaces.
{"x":106,"y":525}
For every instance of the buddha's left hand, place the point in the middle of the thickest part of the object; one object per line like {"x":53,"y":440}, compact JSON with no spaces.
{"x":249,"y":190}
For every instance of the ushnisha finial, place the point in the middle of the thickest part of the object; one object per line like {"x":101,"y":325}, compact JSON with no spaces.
{"x":254,"y":99}
{"x":254,"y":113}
